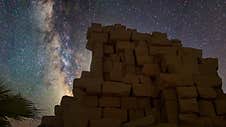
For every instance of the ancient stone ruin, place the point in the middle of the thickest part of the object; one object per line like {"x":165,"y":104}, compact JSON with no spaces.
{"x":142,"y":80}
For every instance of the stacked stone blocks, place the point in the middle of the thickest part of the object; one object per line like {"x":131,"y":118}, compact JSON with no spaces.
{"x":142,"y":80}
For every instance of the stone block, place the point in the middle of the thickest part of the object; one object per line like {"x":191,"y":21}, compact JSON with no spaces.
{"x":124,"y":45}
{"x":205,"y":69}
{"x":218,"y":122}
{"x":128,"y":103}
{"x":89,"y":101}
{"x":141,"y":122}
{"x":108,"y":49}
{"x":207,"y":92}
{"x":143,"y":102}
{"x":135,"y":114}
{"x":107,"y":66}
{"x":206,"y":108}
{"x":171,"y":109}
{"x":116,"y":88}
{"x":105,"y":123}
{"x":213,"y":62}
{"x":186,"y":92}
{"x":130,"y":68}
{"x":188,"y":105}
{"x":170,"y":51}
{"x":157,"y":37}
{"x":187,"y":119}
{"x":220,"y":105}
{"x":58,"y":110}
{"x":169,"y":94}
{"x":145,"y":59}
{"x":131,"y":78}
{"x":129,"y":57}
{"x":119,"y":27}
{"x":51,"y":121}
{"x":91,"y":86}
{"x":145,"y":79}
{"x":145,"y":90}
{"x":175,"y":80}
{"x":192,"y":52}
{"x":150,"y":69}
{"x":120,"y":35}
{"x":115,"y":113}
{"x":207,"y":81}
{"x":141,"y":50}
{"x":136,"y":36}
{"x":98,"y":37}
{"x":117,"y":71}
{"x":109,"y":102}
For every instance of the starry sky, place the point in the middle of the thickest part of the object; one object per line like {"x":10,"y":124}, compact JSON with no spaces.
{"x":42,"y":42}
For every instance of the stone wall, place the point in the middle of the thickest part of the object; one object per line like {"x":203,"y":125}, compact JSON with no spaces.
{"x":142,"y":80}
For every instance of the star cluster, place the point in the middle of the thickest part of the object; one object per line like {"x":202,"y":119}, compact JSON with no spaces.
{"x":29,"y":51}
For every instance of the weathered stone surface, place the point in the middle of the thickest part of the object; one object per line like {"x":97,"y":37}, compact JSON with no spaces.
{"x":142,"y":80}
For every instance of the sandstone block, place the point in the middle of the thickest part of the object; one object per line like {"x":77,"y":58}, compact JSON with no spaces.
{"x":141,"y":50}
{"x":136,"y":36}
{"x":105,"y":123}
{"x":218,"y":122}
{"x":128,"y":103}
{"x":158,"y":37}
{"x":98,"y":37}
{"x":58,"y":110}
{"x":109,"y":102}
{"x":135,"y":114}
{"x":207,"y":92}
{"x":117,"y":72}
{"x":175,"y":80}
{"x":120,"y":35}
{"x":171,"y":109}
{"x":108,"y":49}
{"x":145,"y":90}
{"x":49,"y":121}
{"x":220,"y":105}
{"x":107,"y":66}
{"x":130,"y":69}
{"x":196,"y":53}
{"x":141,"y":122}
{"x":213,"y":62}
{"x":186,"y":92}
{"x":115,"y":113}
{"x":145,"y":59}
{"x":124,"y":45}
{"x":206,"y":108}
{"x":207,"y":81}
{"x":129,"y":57}
{"x":143,"y":102}
{"x":151,"y":69}
{"x":91,"y":85}
{"x":171,"y":51}
{"x":145,"y":79}
{"x":89,"y":101}
{"x":188,"y":106}
{"x":188,"y":119}
{"x":169,"y":94}
{"x":116,"y":88}
{"x":131,"y":78}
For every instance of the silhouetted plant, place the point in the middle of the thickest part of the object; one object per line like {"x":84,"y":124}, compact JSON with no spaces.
{"x":14,"y":106}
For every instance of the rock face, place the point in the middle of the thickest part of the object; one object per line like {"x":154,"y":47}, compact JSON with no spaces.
{"x":142,"y":80}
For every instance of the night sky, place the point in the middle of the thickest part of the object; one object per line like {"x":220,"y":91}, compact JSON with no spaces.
{"x":42,"y":42}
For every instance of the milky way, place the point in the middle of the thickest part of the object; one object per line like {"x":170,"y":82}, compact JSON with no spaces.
{"x":42,"y":42}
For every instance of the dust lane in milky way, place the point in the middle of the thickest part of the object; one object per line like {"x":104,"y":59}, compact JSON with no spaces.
{"x":42,"y":42}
